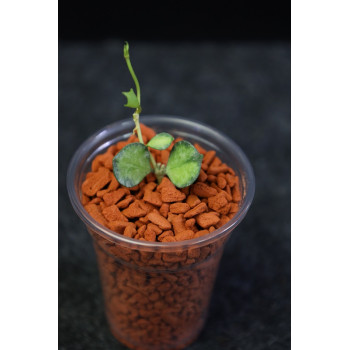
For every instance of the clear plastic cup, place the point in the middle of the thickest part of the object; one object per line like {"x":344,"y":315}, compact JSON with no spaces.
{"x":157,"y":294}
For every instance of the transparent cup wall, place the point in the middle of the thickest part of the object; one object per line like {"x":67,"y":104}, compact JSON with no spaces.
{"x":157,"y":294}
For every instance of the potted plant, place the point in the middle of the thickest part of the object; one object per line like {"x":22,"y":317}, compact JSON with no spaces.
{"x":160,"y":199}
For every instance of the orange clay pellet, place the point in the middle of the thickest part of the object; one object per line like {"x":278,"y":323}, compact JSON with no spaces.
{"x":200,"y":149}
{"x":169,"y":239}
{"x":151,"y":177}
{"x":171,"y":194}
{"x":236,"y":193}
{"x":234,"y":208}
{"x":228,"y":190}
{"x":125,"y":202}
{"x":130,"y":231}
{"x":96,"y":181}
{"x":134,"y":211}
{"x":142,"y":229}
{"x":190,"y":223}
{"x":164,"y":183}
{"x":230,"y":179}
{"x":211,"y":178}
{"x":150,"y":234}
{"x":113,"y":213}
{"x":95,"y":212}
{"x":164,"y":156}
{"x":153,"y":198}
{"x":95,"y":201}
{"x":214,"y":170}
{"x":184,"y":235}
{"x":115,"y":196}
{"x":202,"y":176}
{"x":179,"y":208}
{"x":200,"y":208}
{"x":168,"y":191}
{"x":185,"y":190}
{"x":119,"y":226}
{"x":159,"y":220}
{"x":201,"y":233}
{"x":192,"y":200}
{"x":144,"y":220}
{"x":165,"y":234}
{"x":146,"y":206}
{"x":221,"y":181}
{"x":208,"y":157}
{"x":225,"y":209}
{"x":217,"y":202}
{"x":204,"y":166}
{"x":164,"y":209}
{"x":101,"y":193}
{"x":178,"y":223}
{"x":206,"y":220}
{"x":102,"y":160}
{"x":201,"y":189}
{"x":216,"y":162}
{"x":85,"y":199}
{"x":224,"y":219}
{"x":157,"y":230}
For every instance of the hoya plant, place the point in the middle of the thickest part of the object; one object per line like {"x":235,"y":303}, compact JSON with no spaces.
{"x":135,"y":161}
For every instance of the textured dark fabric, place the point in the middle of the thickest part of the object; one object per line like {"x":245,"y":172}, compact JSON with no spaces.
{"x":242,"y":90}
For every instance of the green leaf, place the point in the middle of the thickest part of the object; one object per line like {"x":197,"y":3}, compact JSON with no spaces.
{"x":184,"y":164}
{"x":132,"y":100}
{"x":132,"y":164}
{"x":161,"y":141}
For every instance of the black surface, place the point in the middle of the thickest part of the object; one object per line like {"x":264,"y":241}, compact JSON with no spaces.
{"x":242,"y":90}
{"x":175,"y":20}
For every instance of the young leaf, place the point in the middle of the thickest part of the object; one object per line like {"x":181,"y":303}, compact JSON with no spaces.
{"x":184,"y":164}
{"x":132,"y":100}
{"x":132,"y":164}
{"x":161,"y":141}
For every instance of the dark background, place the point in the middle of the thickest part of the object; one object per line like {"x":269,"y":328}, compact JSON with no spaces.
{"x":174,"y":20}
{"x":227,"y":67}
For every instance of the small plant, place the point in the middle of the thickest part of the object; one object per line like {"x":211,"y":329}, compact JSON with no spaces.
{"x":135,"y":161}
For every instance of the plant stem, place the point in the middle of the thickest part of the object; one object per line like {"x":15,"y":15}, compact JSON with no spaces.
{"x":153,"y":161}
{"x":139,"y":135}
{"x":158,"y":169}
{"x":131,"y":70}
{"x":137,"y":126}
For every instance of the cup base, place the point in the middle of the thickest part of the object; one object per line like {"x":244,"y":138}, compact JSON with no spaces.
{"x":164,"y":346}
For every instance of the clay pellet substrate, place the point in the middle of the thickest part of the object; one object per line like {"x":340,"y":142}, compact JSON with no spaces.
{"x":158,"y":299}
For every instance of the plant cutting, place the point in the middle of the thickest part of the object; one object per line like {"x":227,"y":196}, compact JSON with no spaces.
{"x":135,"y":161}
{"x":159,"y":209}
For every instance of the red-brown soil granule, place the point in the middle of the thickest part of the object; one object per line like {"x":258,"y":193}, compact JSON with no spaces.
{"x":148,"y":210}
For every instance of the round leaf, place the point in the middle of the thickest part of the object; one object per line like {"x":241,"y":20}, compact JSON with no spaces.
{"x":161,"y":141}
{"x":132,"y":164}
{"x":184,"y":164}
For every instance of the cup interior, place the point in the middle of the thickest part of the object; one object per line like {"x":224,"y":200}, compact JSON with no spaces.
{"x":196,"y":132}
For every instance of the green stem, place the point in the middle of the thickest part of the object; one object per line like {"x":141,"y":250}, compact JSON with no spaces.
{"x":137,"y":126}
{"x":159,"y":172}
{"x":153,"y":161}
{"x":131,"y":70}
{"x":139,"y":135}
